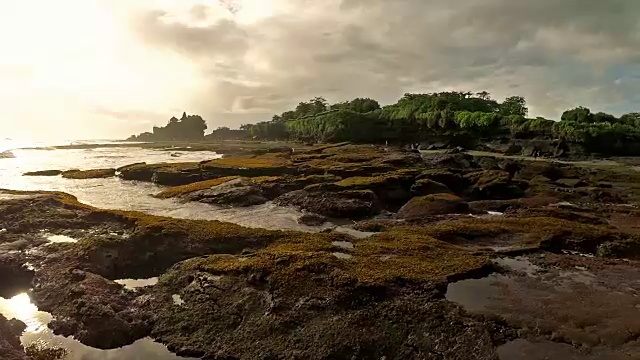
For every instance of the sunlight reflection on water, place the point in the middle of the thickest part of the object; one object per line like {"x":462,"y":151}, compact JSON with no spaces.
{"x":20,"y":307}
{"x":132,"y":195}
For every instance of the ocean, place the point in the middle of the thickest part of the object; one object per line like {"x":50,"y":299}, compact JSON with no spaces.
{"x":19,"y":157}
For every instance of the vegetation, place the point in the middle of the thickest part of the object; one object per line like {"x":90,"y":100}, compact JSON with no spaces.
{"x":38,"y":351}
{"x":454,"y":117}
{"x":457,"y":118}
{"x":188,"y":127}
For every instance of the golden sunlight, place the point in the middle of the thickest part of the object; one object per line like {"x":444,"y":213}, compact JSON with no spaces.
{"x":20,"y":307}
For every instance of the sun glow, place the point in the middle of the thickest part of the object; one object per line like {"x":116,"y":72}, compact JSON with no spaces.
{"x":20,"y":307}
{"x":253,"y":11}
{"x":76,"y":62}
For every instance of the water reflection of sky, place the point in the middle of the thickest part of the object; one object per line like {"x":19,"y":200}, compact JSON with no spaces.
{"x":20,"y":307}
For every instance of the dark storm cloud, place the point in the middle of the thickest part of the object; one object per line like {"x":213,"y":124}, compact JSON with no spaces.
{"x":556,"y":53}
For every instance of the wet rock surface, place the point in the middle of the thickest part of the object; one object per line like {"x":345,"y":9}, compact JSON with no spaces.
{"x":585,"y":302}
{"x":237,"y":192}
{"x":10,"y":347}
{"x":344,"y":204}
{"x":438,"y":204}
{"x":507,"y":257}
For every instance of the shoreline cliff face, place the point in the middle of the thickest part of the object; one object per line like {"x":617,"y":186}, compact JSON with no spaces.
{"x":438,"y":231}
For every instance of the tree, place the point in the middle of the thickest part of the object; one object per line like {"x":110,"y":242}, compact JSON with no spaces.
{"x":514,"y":105}
{"x":604,"y":117}
{"x":484,"y":95}
{"x":579,"y":115}
{"x":632,"y":119}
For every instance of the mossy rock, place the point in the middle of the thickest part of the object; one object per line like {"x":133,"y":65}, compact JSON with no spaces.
{"x":381,"y":289}
{"x":89,"y":174}
{"x":177,"y":176}
{"x":428,"y":187}
{"x":353,"y":204}
{"x":626,"y":249}
{"x":454,"y":181}
{"x":504,"y":205}
{"x":531,"y":232}
{"x":437,"y":204}
{"x":571,"y":183}
{"x":249,"y":162}
{"x":494,"y":185}
{"x":183,"y":190}
{"x":239,"y":192}
{"x":43,"y":173}
{"x":273,"y":187}
{"x":551,"y":170}
{"x":145,"y":172}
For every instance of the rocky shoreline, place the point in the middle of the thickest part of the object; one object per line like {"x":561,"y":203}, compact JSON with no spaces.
{"x":439,"y":223}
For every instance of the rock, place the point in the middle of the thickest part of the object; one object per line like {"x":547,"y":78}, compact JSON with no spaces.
{"x":488,"y":163}
{"x":494,"y":185}
{"x":437,"y":204}
{"x":571,"y":183}
{"x":453,"y":181}
{"x":554,"y":171}
{"x":176,"y":177}
{"x":456,"y":150}
{"x":428,"y":187}
{"x":237,"y":192}
{"x":10,"y":346}
{"x":92,"y":309}
{"x":604,"y":185}
{"x":434,"y":146}
{"x":7,"y":155}
{"x":43,"y":173}
{"x":14,"y":276}
{"x":450,"y":161}
{"x":505,"y":205}
{"x":513,"y":149}
{"x":272,"y":188}
{"x":392,"y":189}
{"x":312,"y":220}
{"x":89,"y":174}
{"x":137,"y":171}
{"x":344,"y":204}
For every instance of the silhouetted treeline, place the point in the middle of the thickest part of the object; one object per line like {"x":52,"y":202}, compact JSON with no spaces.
{"x":225,"y":133}
{"x":188,"y":127}
{"x":461,"y":118}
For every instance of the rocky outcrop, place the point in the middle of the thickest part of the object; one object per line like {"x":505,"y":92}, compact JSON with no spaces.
{"x":43,"y":173}
{"x":237,"y":192}
{"x":89,"y":174}
{"x":312,"y":220}
{"x":351,"y":204}
{"x":437,"y":204}
{"x":89,"y":307}
{"x":231,"y":292}
{"x":452,"y":180}
{"x":10,"y":347}
{"x":494,"y":184}
{"x":428,"y":187}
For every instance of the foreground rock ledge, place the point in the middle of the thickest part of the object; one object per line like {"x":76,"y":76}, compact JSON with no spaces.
{"x":229,"y":292}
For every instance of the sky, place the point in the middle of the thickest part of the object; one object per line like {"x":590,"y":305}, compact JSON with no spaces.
{"x":97,"y":69}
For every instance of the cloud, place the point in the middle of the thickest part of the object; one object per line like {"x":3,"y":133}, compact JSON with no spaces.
{"x":255,"y":58}
{"x":102,"y":68}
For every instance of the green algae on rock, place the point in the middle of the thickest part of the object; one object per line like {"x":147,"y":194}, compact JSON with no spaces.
{"x":43,"y":173}
{"x":436,"y":204}
{"x":177,"y":191}
{"x":89,"y":174}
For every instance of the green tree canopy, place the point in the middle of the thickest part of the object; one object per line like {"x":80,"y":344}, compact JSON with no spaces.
{"x":514,"y":105}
